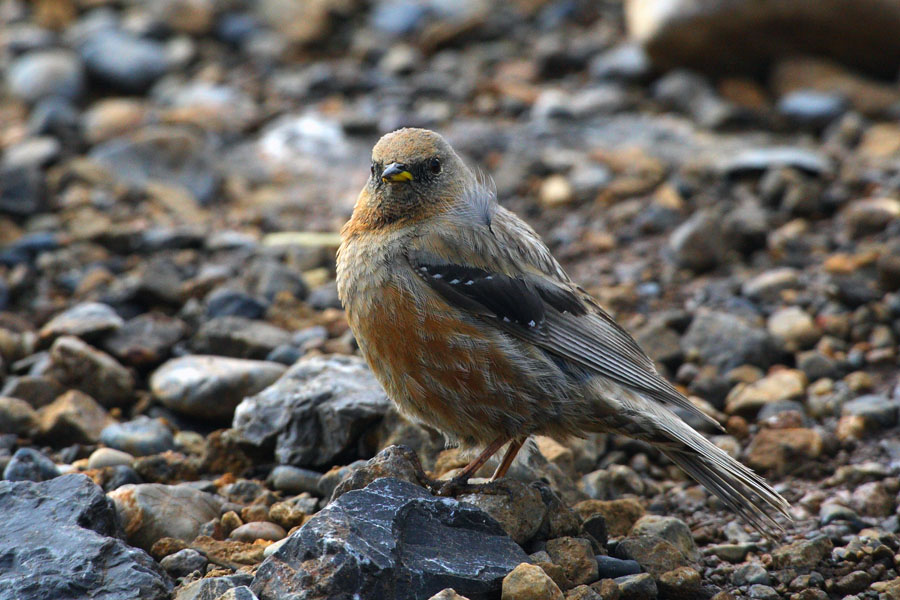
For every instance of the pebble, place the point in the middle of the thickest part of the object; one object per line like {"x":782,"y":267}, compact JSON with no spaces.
{"x":183,"y":563}
{"x":610,"y":567}
{"x":294,"y":480}
{"x":108,"y":457}
{"x":123,"y":60}
{"x":878,"y":411}
{"x":239,"y":337}
{"x":750,"y":574}
{"x":29,"y":465}
{"x":141,"y":436}
{"x":17,"y":417}
{"x":576,"y":557}
{"x":151,"y":511}
{"x":747,"y":399}
{"x":794,"y":327}
{"x":258,"y":530}
{"x":210,"y":387}
{"x":812,"y":108}
{"x":638,"y":587}
{"x":46,"y":73}
{"x":92,"y":371}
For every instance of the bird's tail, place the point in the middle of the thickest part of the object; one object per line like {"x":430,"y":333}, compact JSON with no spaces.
{"x":738,"y":487}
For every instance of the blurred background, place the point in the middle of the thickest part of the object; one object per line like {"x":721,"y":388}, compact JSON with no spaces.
{"x":724,"y":175}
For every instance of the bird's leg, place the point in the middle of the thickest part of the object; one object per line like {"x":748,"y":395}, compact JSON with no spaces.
{"x":508,"y":458}
{"x":460,"y":481}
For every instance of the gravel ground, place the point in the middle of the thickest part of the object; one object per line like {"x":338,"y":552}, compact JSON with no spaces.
{"x":183,"y":411}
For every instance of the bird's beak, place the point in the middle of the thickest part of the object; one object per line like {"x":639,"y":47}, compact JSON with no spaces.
{"x":396,"y":172}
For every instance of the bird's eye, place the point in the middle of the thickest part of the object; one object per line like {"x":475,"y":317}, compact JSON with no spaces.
{"x":372,"y":169}
{"x":434,"y":165}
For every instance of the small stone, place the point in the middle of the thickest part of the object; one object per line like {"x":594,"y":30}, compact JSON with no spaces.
{"x":610,"y":567}
{"x":141,"y":436}
{"x":683,"y":582}
{"x":239,"y":337}
{"x":151,"y":511}
{"x":620,"y":515}
{"x":210,"y":387}
{"x":768,"y":285}
{"x":778,"y":450}
{"x":697,"y":243}
{"x":872,"y":500}
{"x":87,"y":321}
{"x":671,"y":529}
{"x":111,"y":117}
{"x":241,"y":592}
{"x":576,"y":557}
{"x":750,"y":574}
{"x":397,"y":462}
{"x":728,"y":341}
{"x":108,"y":457}
{"x":794,"y":327}
{"x":802,"y":554}
{"x":124,"y":61}
{"x":294,"y":480}
{"x":225,"y":302}
{"x":529,"y":582}
{"x":183,"y":563}
{"x":878,"y":411}
{"x":870,"y":215}
{"x":212,"y":588}
{"x":146,"y":339}
{"x":258,"y":530}
{"x":17,"y":417}
{"x":29,"y":465}
{"x":517,"y":507}
{"x":812,"y":108}
{"x":608,"y":589}
{"x":763,"y":592}
{"x":556,"y":191}
{"x":94,"y":372}
{"x":638,"y":587}
{"x":46,"y":73}
{"x":852,"y":583}
{"x":73,"y":418}
{"x":785,"y":384}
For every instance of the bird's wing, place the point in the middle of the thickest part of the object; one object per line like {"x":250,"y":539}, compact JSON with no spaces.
{"x":501,"y":271}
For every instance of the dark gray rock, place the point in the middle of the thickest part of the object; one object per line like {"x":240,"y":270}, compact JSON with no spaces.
{"x":878,"y":410}
{"x":184,"y":562}
{"x":86,"y":320}
{"x":638,"y":587}
{"x":728,"y":341}
{"x":316,"y":412}
{"x":146,"y":339}
{"x":697,"y":244}
{"x":123,"y":61}
{"x":225,"y":302}
{"x":750,"y":574}
{"x":758,"y":160}
{"x":94,"y":372}
{"x":390,"y":540}
{"x":294,"y":480}
{"x":611,"y":567}
{"x":141,"y":436}
{"x":22,"y":193}
{"x":239,"y":337}
{"x":29,"y":465}
{"x":60,"y":540}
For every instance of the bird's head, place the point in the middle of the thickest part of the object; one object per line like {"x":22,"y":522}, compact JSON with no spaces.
{"x":414,"y":174}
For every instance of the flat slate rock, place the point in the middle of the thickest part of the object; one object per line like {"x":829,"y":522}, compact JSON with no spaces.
{"x":60,"y":539}
{"x":391,"y":539}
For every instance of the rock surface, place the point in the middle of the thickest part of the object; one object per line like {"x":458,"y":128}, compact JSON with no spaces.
{"x":69,"y":526}
{"x":397,"y":541}
{"x":315,"y":412}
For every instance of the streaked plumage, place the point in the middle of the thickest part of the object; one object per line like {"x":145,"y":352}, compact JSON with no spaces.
{"x":474,"y":329}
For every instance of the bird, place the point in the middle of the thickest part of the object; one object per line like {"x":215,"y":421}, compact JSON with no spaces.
{"x":474,"y":329}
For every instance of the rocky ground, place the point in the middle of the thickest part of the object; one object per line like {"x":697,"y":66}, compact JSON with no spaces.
{"x":183,"y":412}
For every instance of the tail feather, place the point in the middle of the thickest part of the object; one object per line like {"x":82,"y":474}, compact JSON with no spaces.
{"x":739,"y":488}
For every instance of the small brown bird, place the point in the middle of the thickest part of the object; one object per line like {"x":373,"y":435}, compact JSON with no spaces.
{"x":474,"y":329}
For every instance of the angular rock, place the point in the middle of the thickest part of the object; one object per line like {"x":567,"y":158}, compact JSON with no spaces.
{"x":60,"y":540}
{"x":659,"y":544}
{"x":210,"y":387}
{"x":391,"y":540}
{"x":802,"y":554}
{"x":697,"y":244}
{"x":576,"y":557}
{"x":316,"y":412}
{"x":212,"y":588}
{"x":516,"y":506}
{"x":17,"y":417}
{"x":73,"y":418}
{"x":184,"y":562}
{"x":780,"y":450}
{"x":619,"y":515}
{"x":92,"y":371}
{"x":398,"y":462}
{"x":529,"y":582}
{"x":28,"y":464}
{"x":151,"y":511}
{"x":748,"y":399}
